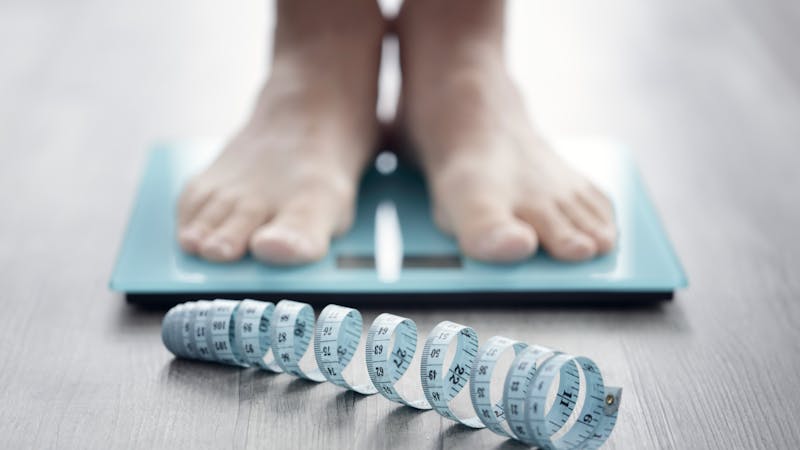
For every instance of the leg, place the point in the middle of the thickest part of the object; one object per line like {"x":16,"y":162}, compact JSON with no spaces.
{"x":286,"y":182}
{"x":495,"y":183}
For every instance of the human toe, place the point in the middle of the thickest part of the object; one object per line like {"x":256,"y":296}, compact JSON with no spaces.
{"x":302,"y":229}
{"x":599,"y":228}
{"x":280,"y":244}
{"x":192,"y":235}
{"x":558,"y":235}
{"x":228,"y":242}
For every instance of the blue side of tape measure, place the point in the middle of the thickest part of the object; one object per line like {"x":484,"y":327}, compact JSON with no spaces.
{"x":580,"y":415}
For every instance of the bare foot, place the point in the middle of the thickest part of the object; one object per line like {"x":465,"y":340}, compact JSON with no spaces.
{"x":495,"y":183}
{"x":286,"y":183}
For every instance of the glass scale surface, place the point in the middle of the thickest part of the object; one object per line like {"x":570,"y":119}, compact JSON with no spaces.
{"x":394,"y":250}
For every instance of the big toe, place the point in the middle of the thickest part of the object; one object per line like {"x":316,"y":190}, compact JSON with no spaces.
{"x":487,"y":230}
{"x":492,"y":233}
{"x":229,"y":241}
{"x":302,"y":229}
{"x":558,"y":234}
{"x":506,"y":241}
{"x":281,"y":244}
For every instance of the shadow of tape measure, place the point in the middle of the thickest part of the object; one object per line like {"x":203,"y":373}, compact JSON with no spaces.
{"x":249,"y":333}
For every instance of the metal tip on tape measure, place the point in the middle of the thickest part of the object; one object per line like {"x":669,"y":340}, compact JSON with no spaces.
{"x":549,"y":399}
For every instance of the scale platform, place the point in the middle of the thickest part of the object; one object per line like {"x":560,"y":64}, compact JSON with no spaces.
{"x":394,"y":252}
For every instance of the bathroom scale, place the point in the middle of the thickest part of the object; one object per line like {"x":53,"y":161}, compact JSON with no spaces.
{"x":394,"y":251}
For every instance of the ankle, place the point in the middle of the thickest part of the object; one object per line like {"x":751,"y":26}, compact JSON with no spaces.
{"x":317,"y":23}
{"x":441,"y":23}
{"x":464,"y":48}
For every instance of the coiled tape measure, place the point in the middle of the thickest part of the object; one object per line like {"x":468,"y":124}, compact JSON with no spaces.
{"x":581,"y":414}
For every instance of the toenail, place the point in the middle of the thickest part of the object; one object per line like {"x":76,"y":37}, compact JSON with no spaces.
{"x":504,"y":243}
{"x":191,"y":234}
{"x":608,"y":239}
{"x":579,"y":247}
{"x":488,"y":246}
{"x":219,"y":248}
{"x":301,"y":243}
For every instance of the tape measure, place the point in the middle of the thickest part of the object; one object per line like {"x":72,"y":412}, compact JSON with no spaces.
{"x":549,"y":399}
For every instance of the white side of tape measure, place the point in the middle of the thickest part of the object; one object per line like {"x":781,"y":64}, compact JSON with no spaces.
{"x":250,"y":332}
{"x":336,"y":339}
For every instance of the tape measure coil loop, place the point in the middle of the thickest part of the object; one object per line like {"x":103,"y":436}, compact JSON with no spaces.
{"x":336,"y":339}
{"x":441,"y":385}
{"x":387,"y":363}
{"x":199,"y":325}
{"x":220,"y":332}
{"x":490,"y":412}
{"x":252,"y":336}
{"x":586,"y":431}
{"x":244,"y":333}
{"x":291,"y":334}
{"x":168,"y":331}
{"x":516,"y":386}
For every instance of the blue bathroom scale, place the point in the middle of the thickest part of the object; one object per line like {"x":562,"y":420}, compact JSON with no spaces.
{"x":394,"y":251}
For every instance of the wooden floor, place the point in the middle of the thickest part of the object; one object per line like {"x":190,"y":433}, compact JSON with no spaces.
{"x":706,"y":91}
